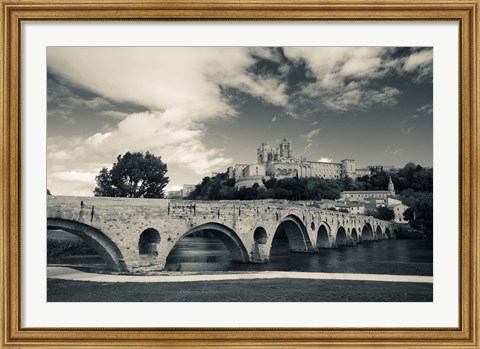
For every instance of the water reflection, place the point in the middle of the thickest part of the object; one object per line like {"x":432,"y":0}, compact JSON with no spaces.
{"x":407,"y":257}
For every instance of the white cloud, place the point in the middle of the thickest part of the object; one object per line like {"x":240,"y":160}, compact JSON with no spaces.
{"x":114,"y":114}
{"x":312,"y":133}
{"x":274,"y":119}
{"x":166,"y":78}
{"x":427,"y":109}
{"x":182,"y":88}
{"x":420,"y":64}
{"x":266,"y":53}
{"x":394,"y":152}
{"x":331,"y":64}
{"x":173,"y":187}
{"x":406,"y":128}
{"x":74,"y":176}
{"x":325,"y":159}
{"x":154,"y":132}
{"x":418,"y":60}
{"x":63,"y":114}
{"x":354,"y":97}
{"x":345,"y":76}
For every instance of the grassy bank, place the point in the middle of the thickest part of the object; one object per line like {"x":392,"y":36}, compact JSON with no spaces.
{"x":61,"y":244}
{"x":278,"y":290}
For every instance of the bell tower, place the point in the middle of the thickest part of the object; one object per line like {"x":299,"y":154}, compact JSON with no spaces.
{"x":285,"y":149}
{"x":391,"y":188}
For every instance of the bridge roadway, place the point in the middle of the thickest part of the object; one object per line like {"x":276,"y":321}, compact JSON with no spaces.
{"x":138,"y":234}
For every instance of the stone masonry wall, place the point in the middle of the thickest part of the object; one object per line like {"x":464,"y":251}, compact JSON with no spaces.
{"x":123,"y":220}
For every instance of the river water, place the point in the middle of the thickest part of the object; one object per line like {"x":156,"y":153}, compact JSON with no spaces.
{"x":202,"y":254}
{"x":399,"y":257}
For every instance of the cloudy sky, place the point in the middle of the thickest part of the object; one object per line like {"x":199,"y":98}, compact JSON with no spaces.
{"x":204,"y":108}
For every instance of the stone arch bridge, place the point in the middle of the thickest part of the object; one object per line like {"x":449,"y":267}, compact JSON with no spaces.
{"x":139,"y":234}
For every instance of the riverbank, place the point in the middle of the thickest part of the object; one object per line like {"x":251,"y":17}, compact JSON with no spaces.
{"x":71,"y":285}
{"x":259,"y":290}
{"x":66,"y":273}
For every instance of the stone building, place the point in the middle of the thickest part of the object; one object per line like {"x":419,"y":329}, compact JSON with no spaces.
{"x":188,"y":189}
{"x":360,"y":202}
{"x":279,"y":162}
{"x":365,"y":195}
{"x":398,"y":209}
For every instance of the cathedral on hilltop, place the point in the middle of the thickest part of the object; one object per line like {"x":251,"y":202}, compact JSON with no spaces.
{"x":279,"y":162}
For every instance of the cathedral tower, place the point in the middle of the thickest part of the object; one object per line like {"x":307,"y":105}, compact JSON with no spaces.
{"x":391,"y":188}
{"x":285,"y":149}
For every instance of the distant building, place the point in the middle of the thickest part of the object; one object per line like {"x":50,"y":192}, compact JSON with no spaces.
{"x":362,"y":172}
{"x":398,"y":209}
{"x":362,"y":201}
{"x":279,"y":162}
{"x":380,"y":168}
{"x":174,"y":194}
{"x":187,"y":189}
{"x":369,"y":194}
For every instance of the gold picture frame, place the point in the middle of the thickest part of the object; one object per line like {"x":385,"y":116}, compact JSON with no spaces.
{"x":15,"y":12}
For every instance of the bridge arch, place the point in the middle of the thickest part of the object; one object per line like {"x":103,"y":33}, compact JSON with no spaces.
{"x":105,"y":247}
{"x":296,"y":233}
{"x":354,"y":235}
{"x":323,"y":240}
{"x":388,"y":233}
{"x":260,"y":235}
{"x":227,"y":236}
{"x":378,"y":233}
{"x":148,"y":241}
{"x":341,"y":239}
{"x":367,"y":232}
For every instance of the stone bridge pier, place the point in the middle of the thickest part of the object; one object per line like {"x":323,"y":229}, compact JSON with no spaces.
{"x":139,"y":234}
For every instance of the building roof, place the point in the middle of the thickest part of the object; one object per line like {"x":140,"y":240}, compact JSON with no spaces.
{"x":324,"y":162}
{"x":366,"y":192}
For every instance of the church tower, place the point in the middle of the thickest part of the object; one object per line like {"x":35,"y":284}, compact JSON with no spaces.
{"x":391,"y":188}
{"x":285,"y":149}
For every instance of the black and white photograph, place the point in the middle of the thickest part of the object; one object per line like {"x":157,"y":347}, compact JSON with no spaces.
{"x":239,"y":174}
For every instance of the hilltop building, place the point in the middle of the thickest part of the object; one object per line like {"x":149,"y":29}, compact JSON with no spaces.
{"x":279,"y":162}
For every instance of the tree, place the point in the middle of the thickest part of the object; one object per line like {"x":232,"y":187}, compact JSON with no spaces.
{"x":385,"y":213}
{"x":134,"y":175}
{"x":420,"y":213}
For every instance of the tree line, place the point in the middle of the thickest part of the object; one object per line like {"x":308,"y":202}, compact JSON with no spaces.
{"x":410,"y":178}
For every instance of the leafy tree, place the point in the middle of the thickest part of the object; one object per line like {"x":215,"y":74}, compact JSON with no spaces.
{"x":271,"y":183}
{"x":385,"y":213}
{"x":134,"y":175}
{"x":347,"y":183}
{"x":247,"y":193}
{"x":420,"y":211}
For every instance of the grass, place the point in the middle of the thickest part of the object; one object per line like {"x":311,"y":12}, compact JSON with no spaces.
{"x":278,"y":290}
{"x":61,"y":244}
